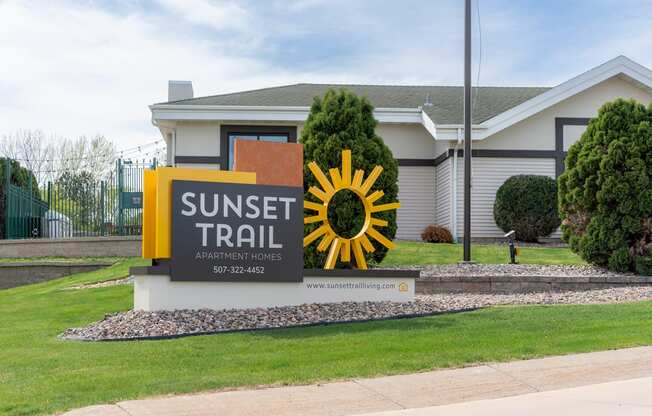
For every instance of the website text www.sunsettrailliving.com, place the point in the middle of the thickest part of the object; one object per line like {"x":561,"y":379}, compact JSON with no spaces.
{"x":351,"y":285}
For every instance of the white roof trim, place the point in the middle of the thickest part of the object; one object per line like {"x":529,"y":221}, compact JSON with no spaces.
{"x":266,"y":113}
{"x":616,"y":66}
{"x":429,"y":125}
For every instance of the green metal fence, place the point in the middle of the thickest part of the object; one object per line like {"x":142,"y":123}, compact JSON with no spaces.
{"x":77,"y":205}
{"x":24,"y":211}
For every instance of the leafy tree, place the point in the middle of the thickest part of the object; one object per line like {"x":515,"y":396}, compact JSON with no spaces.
{"x":341,"y":120}
{"x":605,"y":194}
{"x":527,"y":204}
{"x":77,"y":193}
{"x":33,"y":149}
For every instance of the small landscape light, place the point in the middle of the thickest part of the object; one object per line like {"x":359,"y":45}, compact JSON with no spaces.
{"x":513,"y":250}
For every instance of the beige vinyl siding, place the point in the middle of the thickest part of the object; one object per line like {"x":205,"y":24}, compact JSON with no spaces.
{"x":416,"y":192}
{"x":488,"y":174}
{"x":443,"y":194}
{"x":211,"y":166}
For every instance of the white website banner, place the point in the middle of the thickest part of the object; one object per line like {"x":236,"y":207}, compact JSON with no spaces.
{"x":157,"y":292}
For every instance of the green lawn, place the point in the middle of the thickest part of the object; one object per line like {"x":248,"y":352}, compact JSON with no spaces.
{"x":411,"y":253}
{"x":41,"y":374}
{"x":72,"y":260}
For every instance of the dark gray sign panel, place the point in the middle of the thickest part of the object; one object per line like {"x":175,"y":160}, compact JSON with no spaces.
{"x":226,"y":232}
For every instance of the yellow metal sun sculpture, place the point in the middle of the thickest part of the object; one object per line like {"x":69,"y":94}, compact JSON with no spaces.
{"x":340,"y":246}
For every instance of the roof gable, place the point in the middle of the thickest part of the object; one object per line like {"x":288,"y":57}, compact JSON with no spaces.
{"x":620,"y":66}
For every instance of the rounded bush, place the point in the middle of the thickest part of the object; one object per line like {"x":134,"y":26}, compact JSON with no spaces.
{"x":644,"y":265}
{"x":434,"y":233}
{"x":527,"y":204}
{"x":605,"y":193}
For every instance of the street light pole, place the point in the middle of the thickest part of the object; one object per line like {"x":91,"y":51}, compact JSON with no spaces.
{"x":467,"y":130}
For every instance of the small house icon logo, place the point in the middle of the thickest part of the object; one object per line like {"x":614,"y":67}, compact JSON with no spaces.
{"x":403,"y":287}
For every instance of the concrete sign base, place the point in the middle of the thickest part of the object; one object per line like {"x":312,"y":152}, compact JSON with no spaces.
{"x":156,"y":292}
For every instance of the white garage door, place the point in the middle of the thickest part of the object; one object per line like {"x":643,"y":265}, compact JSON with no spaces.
{"x":416,"y":192}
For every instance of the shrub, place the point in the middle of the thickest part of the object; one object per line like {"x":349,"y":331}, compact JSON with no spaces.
{"x":605,"y":194}
{"x":527,"y":204}
{"x":436,"y":234}
{"x":644,"y":265}
{"x":341,"y":120}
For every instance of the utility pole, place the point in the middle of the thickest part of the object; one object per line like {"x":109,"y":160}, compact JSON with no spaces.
{"x":467,"y":131}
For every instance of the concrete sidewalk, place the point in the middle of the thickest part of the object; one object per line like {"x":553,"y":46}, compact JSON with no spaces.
{"x":630,"y":397}
{"x":400,"y":392}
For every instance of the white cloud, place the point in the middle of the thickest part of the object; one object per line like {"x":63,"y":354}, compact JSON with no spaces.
{"x":219,"y":15}
{"x":80,"y":68}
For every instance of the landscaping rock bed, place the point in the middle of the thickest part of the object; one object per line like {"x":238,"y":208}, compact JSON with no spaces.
{"x":515,"y":270}
{"x":144,"y":325}
{"x":106,"y":283}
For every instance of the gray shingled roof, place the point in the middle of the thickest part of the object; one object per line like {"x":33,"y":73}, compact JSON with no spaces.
{"x":447,"y":102}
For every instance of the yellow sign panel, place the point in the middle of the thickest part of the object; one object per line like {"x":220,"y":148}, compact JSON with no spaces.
{"x":341,"y":247}
{"x":157,"y":203}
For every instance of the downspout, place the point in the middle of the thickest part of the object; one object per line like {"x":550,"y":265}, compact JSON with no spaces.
{"x":174,"y":147}
{"x":454,"y":197}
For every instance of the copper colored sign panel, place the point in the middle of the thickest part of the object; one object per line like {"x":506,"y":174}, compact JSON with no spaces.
{"x":274,"y":163}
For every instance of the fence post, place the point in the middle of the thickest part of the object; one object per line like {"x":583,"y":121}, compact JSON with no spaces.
{"x":120,"y":190}
{"x":102,"y":219}
{"x":30,"y":218}
{"x":7,"y":178}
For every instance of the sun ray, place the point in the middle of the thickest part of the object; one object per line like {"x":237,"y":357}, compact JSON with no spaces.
{"x":314,"y":218}
{"x":331,"y":260}
{"x":378,"y":222}
{"x":346,"y":168}
{"x":326,"y":241}
{"x":371,"y":179}
{"x":380,"y":238}
{"x":315,"y":234}
{"x":346,"y":251}
{"x":323,"y":196}
{"x":313,"y":206}
{"x":321,"y":178}
{"x":364,"y":240}
{"x":359,"y":255}
{"x":357,"y":179}
{"x":336,"y":178}
{"x":375,"y":196}
{"x":385,"y":207}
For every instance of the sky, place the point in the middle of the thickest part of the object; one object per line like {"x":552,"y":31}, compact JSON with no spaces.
{"x":73,"y":68}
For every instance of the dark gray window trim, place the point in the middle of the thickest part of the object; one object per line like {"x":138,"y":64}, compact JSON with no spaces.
{"x":506,"y":153}
{"x":197,"y":159}
{"x":416,"y":162}
{"x":225,"y":130}
{"x":560,"y":122}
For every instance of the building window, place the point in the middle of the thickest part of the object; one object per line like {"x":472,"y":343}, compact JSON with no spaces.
{"x":271,"y":137}
{"x":229,"y":134}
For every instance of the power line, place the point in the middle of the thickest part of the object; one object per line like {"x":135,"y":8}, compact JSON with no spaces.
{"x":122,"y":153}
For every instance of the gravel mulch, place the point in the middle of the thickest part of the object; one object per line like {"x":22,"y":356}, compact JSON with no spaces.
{"x":525,"y":270}
{"x":143,"y":325}
{"x":105,"y":283}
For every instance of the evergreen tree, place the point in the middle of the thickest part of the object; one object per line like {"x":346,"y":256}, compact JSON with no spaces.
{"x":341,"y":120}
{"x":605,"y":194}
